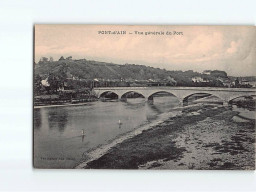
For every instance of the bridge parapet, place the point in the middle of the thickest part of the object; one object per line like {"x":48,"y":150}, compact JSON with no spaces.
{"x":225,"y":94}
{"x":179,"y":88}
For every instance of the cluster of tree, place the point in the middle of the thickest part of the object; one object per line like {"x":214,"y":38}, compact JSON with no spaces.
{"x":45,"y":60}
{"x":57,"y":83}
{"x":218,"y":74}
{"x":81,"y":73}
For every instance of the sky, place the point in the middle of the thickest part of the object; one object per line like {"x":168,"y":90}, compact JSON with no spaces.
{"x":197,"y":48}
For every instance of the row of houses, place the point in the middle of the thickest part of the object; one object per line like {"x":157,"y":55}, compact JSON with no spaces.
{"x":98,"y":82}
{"x":242,"y":83}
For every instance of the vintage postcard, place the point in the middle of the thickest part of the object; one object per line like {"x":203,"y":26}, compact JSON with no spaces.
{"x":144,"y":97}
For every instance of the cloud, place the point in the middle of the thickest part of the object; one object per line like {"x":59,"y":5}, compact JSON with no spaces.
{"x":201,"y":47}
{"x":233,"y":47}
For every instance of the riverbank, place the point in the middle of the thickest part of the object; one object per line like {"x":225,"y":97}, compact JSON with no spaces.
{"x":62,"y":100}
{"x":60,"y":105}
{"x":202,"y":137}
{"x":103,"y":149}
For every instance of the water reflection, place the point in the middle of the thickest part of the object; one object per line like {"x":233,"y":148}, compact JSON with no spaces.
{"x":155,"y":108}
{"x":246,"y":113}
{"x":37,"y":119}
{"x":82,"y":128}
{"x":134,"y":103}
{"x":58,"y":117}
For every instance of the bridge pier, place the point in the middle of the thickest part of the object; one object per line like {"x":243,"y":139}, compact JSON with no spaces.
{"x":184,"y":102}
{"x":150,"y":99}
{"x":123,"y":99}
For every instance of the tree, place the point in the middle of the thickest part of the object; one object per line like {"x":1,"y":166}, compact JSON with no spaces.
{"x":51,"y":59}
{"x":237,"y":82}
{"x":37,"y":84}
{"x":43,"y":60}
{"x":53,"y":81}
{"x":61,"y":58}
{"x":62,"y":74}
{"x":218,"y":73}
{"x":57,"y":79}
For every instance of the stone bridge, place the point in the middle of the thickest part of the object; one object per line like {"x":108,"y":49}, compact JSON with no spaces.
{"x":182,"y":93}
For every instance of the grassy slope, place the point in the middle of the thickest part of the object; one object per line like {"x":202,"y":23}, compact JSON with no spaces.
{"x":85,"y":69}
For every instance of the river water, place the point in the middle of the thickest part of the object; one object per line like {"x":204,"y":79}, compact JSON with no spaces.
{"x":64,"y":135}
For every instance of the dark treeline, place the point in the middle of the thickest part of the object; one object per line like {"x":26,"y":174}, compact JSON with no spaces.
{"x":68,"y":74}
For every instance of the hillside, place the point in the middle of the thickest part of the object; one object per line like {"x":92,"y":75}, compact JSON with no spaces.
{"x":85,"y":69}
{"x":89,"y":70}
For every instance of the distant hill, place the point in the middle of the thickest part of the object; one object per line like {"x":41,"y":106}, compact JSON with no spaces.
{"x":89,"y":70}
{"x":86,"y":69}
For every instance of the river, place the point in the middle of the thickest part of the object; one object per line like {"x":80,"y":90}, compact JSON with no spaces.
{"x":64,"y":135}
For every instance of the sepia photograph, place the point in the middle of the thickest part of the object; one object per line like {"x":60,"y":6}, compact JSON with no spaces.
{"x":144,"y":97}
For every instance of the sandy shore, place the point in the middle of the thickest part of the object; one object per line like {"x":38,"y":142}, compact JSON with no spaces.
{"x":100,"y":151}
{"x":202,"y":137}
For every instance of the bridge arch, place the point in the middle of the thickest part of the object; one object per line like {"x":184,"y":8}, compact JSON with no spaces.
{"x":183,"y":93}
{"x":203,"y":94}
{"x":124,"y":95}
{"x":150,"y":97}
{"x":101,"y":95}
{"x":240,"y":96}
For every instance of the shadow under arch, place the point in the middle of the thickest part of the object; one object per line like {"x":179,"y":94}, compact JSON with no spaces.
{"x":161,"y":93}
{"x":248,"y":97}
{"x":244,"y":101}
{"x":108,"y":95}
{"x":132,"y":94}
{"x":195,"y":97}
